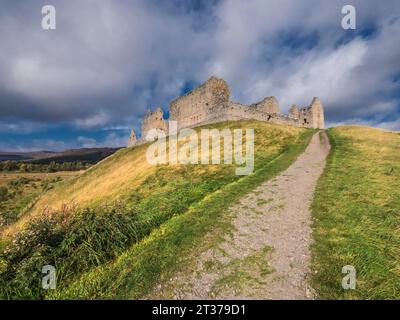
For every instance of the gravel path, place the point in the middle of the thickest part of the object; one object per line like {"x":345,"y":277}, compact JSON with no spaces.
{"x":267,"y":255}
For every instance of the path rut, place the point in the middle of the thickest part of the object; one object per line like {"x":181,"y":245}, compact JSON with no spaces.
{"x":267,"y":256}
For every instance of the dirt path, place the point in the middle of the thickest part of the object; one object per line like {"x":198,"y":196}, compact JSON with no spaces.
{"x":267,"y":255}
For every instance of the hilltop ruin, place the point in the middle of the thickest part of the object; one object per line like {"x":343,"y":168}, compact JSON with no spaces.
{"x":210,"y":103}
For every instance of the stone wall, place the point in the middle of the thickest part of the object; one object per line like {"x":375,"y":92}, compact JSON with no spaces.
{"x":154,"y":120}
{"x":201,"y":104}
{"x":268,"y":105}
{"x":312,"y":116}
{"x":294,"y":112}
{"x":317,"y":114}
{"x":210,"y":103}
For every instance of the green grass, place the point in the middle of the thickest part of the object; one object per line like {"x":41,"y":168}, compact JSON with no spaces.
{"x":356,"y":210}
{"x":23,"y":190}
{"x":126,"y":170}
{"x":242,"y":273}
{"x":261,"y":202}
{"x":154,"y":258}
{"x":161,"y":215}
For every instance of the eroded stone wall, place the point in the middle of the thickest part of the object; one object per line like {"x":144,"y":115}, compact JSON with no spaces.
{"x":294,"y":112}
{"x":154,"y":120}
{"x":210,"y":103}
{"x":268,"y":105}
{"x":201,"y":104}
{"x":317,"y":114}
{"x":312,"y":116}
{"x":132,"y":139}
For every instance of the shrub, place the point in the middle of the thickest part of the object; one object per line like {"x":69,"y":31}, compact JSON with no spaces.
{"x":3,"y":193}
{"x":71,"y":240}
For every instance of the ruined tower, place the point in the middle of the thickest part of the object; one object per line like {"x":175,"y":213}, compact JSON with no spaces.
{"x":153,"y":120}
{"x":268,"y":105}
{"x":132,"y":139}
{"x":312,"y":116}
{"x":294,"y":112}
{"x":317,"y":114}
{"x":201,"y":104}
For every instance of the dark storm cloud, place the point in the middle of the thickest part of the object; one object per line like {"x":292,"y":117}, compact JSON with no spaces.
{"x":297,"y":49}
{"x":101,"y":61}
{"x":108,"y":61}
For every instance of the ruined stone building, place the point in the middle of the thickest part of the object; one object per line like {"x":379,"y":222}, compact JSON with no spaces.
{"x":210,"y":103}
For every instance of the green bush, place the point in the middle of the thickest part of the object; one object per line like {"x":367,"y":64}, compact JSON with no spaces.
{"x":19,"y":182}
{"x":3,"y":193}
{"x":9,"y":166}
{"x":74,"y":241}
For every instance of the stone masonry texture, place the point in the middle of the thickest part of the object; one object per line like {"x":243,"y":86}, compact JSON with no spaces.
{"x":210,"y":103}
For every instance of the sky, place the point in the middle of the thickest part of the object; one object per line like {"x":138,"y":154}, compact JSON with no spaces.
{"x":90,"y":81}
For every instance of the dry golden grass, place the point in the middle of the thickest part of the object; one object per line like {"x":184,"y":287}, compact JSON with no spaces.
{"x":198,"y":198}
{"x":24,"y":189}
{"x":6,"y":177}
{"x":105,"y":181}
{"x":115,"y":176}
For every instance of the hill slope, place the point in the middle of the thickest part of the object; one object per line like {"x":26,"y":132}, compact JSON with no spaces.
{"x":356,"y":211}
{"x":267,"y":253}
{"x":123,"y":174}
{"x":161,"y":212}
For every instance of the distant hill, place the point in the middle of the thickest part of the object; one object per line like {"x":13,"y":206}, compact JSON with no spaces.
{"x":92,"y":155}
{"x":22,"y":156}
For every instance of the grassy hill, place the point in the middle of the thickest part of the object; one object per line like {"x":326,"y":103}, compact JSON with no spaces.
{"x":123,"y":225}
{"x":356,"y":210}
{"x":120,"y":226}
{"x":22,"y":189}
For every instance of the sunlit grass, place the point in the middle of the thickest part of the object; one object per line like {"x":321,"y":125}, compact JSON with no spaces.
{"x":168,"y":210}
{"x":134,"y":273}
{"x":357,"y":215}
{"x":24,"y":189}
{"x":114,"y":177}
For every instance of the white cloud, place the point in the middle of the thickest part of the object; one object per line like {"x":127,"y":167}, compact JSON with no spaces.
{"x":109,"y":61}
{"x":95,"y":58}
{"x":96,"y":120}
{"x":115,"y":140}
{"x":390,"y":125}
{"x":86,"y":142}
{"x":327,"y":74}
{"x":112,"y":140}
{"x":352,"y":79}
{"x":22,"y":127}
